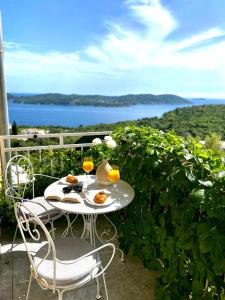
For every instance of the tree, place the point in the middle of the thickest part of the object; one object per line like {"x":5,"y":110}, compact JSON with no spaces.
{"x":213,"y":141}
{"x":14,"y":128}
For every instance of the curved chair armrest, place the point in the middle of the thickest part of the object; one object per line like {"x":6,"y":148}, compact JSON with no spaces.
{"x":8,"y":194}
{"x":92,"y":252}
{"x":109,"y":261}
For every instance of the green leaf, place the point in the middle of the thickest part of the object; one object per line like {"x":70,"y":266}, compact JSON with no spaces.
{"x":206,"y":183}
{"x":190,"y":175}
{"x":221,"y":174}
{"x":198,"y":194}
{"x":188,"y":156}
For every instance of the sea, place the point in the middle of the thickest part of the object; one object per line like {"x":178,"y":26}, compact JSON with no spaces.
{"x":75,"y":116}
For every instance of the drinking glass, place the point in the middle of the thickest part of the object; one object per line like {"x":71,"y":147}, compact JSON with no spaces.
{"x":114,"y":176}
{"x":88,"y":165}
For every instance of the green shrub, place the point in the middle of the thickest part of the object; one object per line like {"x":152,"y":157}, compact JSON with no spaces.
{"x":6,"y":207}
{"x":176,"y":223}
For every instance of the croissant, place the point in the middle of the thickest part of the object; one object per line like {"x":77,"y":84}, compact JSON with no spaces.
{"x":100,"y":197}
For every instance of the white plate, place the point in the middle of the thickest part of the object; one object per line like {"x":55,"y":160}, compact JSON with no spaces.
{"x":90,"y":199}
{"x":63,"y":181}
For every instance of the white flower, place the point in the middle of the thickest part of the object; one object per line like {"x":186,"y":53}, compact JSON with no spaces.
{"x":111,"y":143}
{"x":108,"y":138}
{"x":96,"y":141}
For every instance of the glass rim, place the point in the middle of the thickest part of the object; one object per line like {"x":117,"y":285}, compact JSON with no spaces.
{"x":115,"y":167}
{"x":88,"y":158}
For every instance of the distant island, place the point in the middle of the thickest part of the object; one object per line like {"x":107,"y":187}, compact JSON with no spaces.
{"x":98,"y":100}
{"x":199,"y":99}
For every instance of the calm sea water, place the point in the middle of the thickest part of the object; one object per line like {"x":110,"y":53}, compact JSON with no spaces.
{"x":73,"y":116}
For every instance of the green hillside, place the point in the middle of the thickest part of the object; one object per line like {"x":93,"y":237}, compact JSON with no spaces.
{"x":195,"y":120}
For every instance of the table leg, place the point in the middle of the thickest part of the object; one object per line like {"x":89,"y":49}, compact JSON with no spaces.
{"x":88,"y":230}
{"x":107,"y":240}
{"x":69,"y":226}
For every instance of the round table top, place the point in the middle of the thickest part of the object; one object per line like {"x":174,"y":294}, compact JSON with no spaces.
{"x":120,"y":197}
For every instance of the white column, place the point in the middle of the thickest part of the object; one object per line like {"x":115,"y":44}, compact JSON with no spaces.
{"x":4,"y":120}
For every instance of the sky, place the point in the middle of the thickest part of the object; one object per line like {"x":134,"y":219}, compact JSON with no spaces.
{"x":115,"y":47}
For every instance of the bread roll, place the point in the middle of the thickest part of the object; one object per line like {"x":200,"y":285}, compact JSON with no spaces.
{"x":100,"y":197}
{"x":71,"y":179}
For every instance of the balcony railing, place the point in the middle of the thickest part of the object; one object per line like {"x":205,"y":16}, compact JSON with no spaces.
{"x":8,"y":151}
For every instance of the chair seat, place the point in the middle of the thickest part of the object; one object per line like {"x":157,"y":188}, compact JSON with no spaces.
{"x":40,"y":207}
{"x":67,"y":271}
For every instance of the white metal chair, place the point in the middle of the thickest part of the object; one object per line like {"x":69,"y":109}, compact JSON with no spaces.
{"x":63,"y":264}
{"x":19,"y":179}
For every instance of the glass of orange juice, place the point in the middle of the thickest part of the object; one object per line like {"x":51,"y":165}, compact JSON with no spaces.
{"x":88,"y":165}
{"x":114,"y":175}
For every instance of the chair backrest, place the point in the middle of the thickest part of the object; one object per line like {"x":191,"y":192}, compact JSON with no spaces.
{"x":27,"y":222}
{"x":19,"y":177}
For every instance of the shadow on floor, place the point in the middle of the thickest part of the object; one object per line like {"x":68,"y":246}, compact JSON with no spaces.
{"x":127,"y":280}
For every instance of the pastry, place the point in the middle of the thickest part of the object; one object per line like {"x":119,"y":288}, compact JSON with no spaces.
{"x":100,"y":197}
{"x":71,"y":179}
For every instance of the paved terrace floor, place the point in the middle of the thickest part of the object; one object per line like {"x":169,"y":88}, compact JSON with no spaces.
{"x":127,"y":280}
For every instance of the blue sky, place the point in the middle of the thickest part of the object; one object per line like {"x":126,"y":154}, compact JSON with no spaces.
{"x":115,"y":47}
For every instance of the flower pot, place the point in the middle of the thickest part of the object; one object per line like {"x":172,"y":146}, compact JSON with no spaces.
{"x":102,"y":172}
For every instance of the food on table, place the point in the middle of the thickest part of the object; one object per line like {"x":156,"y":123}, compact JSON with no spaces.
{"x":71,"y":179}
{"x":100,"y":197}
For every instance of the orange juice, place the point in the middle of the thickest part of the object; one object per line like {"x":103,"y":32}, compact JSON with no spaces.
{"x":114,"y":175}
{"x":88,"y":166}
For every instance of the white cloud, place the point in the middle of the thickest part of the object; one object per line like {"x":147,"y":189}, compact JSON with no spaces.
{"x":142,"y":59}
{"x":158,"y":20}
{"x":126,"y":49}
{"x":14,"y":46}
{"x":202,"y":37}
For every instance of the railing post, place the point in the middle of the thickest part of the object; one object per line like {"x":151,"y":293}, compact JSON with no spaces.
{"x":40,"y":169}
{"x":61,"y":140}
{"x":51,"y":160}
{"x":3,"y":155}
{"x":6,"y":151}
{"x":61,"y":143}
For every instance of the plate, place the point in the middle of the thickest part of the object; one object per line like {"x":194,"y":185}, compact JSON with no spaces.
{"x":90,"y":199}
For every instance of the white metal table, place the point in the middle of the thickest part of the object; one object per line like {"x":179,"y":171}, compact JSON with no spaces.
{"x":122,"y":196}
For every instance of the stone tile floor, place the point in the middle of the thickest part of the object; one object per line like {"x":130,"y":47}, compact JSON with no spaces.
{"x":127,"y":280}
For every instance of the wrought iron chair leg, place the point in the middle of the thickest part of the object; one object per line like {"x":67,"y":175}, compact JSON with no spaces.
{"x":106,"y":292}
{"x":28,"y":290}
{"x":12,"y":262}
{"x":122,"y":254}
{"x":98,"y":294}
{"x":52,"y":230}
{"x":60,"y":295}
{"x":14,"y":238}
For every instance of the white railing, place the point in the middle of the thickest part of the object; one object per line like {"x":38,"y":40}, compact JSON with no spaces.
{"x":7,"y":152}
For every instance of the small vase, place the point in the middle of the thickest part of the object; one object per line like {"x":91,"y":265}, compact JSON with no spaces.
{"x":102,"y":172}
